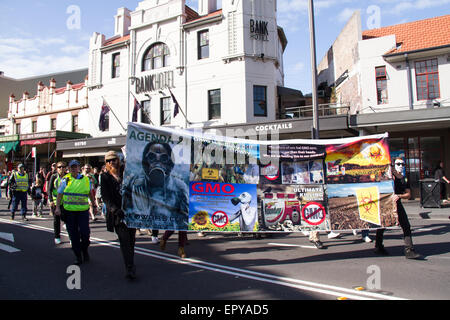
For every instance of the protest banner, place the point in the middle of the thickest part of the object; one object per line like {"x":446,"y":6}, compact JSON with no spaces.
{"x":190,"y":181}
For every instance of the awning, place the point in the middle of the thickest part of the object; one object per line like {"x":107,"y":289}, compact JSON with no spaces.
{"x":37,"y":142}
{"x":6,"y":147}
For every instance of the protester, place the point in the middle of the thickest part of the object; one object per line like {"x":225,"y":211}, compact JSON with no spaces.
{"x":37,"y":195}
{"x":87,"y":172}
{"x":75,"y":191}
{"x":19,"y":186}
{"x":110,"y":184}
{"x":402,"y":191}
{"x":47,"y":193}
{"x":439,"y":175}
{"x":54,"y":182}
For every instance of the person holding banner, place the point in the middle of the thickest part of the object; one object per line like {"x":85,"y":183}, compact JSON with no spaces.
{"x":110,"y":184}
{"x":402,"y":191}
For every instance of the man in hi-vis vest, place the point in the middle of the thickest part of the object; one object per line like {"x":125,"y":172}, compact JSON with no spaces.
{"x":74,"y":191}
{"x":20,"y":186}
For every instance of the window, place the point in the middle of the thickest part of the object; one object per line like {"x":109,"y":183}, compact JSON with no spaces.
{"x":203,"y":44}
{"x":75,"y":123}
{"x":33,"y":126}
{"x":17,"y":128}
{"x":381,"y":79}
{"x":145,"y":112}
{"x":52,"y":124}
{"x":260,"y":101}
{"x":157,"y":56}
{"x":115,"y":65}
{"x":214,"y":104}
{"x":427,"y":79}
{"x":166,"y":111}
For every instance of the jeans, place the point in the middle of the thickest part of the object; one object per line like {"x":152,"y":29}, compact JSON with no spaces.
{"x":56,"y":222}
{"x":404,"y":224}
{"x":19,"y":196}
{"x":77,"y":223}
{"x":127,"y":240}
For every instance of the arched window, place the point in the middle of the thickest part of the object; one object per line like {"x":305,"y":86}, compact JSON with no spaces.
{"x":157,"y":56}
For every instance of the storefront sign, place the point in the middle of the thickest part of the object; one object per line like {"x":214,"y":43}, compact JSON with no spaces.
{"x":259,"y":30}
{"x":154,"y":82}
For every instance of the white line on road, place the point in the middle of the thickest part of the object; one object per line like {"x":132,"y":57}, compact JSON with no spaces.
{"x":291,"y":245}
{"x":7,"y":236}
{"x":8,"y":249}
{"x":237,"y":272}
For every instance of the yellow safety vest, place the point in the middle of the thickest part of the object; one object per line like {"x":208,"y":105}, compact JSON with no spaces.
{"x":21,"y":182}
{"x":76,"y":194}
{"x":56,"y":184}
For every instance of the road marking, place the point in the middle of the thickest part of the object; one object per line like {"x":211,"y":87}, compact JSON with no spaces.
{"x":8,"y":249}
{"x":291,"y":245}
{"x":309,"y":286}
{"x":7,"y":236}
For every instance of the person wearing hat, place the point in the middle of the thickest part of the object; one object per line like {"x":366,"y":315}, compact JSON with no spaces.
{"x":20,"y":187}
{"x":110,"y":185}
{"x":74,"y":193}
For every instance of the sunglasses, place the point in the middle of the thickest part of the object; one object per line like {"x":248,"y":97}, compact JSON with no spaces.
{"x":61,"y":167}
{"x":400,"y":164}
{"x":111,"y":160}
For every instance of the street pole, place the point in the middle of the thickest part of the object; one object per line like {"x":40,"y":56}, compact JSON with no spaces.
{"x":312,"y":32}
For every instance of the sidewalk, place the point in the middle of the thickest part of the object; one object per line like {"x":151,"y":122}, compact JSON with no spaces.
{"x":414,"y":210}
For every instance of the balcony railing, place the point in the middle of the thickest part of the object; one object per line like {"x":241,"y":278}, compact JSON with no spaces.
{"x":327,"y":109}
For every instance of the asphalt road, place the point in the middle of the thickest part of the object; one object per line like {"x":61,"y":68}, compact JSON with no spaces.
{"x":223,"y":266}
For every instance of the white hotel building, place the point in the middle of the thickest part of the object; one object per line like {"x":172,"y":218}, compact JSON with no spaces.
{"x":223,"y":65}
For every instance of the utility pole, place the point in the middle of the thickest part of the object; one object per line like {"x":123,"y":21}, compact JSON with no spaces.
{"x":312,"y":37}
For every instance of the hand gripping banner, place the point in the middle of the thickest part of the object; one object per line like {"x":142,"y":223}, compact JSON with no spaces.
{"x":187,"y":180}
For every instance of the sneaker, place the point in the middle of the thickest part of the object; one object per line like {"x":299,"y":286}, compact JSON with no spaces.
{"x":57,"y":241}
{"x":305,"y":233}
{"x":333,"y":235}
{"x":181,"y":253}
{"x":24,"y":218}
{"x":381,"y":251}
{"x":367,"y":239}
{"x":355,"y":232}
{"x":318,"y":244}
{"x":155,"y":240}
{"x":410,"y":253}
{"x":200,"y":234}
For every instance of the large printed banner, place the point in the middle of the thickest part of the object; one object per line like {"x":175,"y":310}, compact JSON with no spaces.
{"x":186,"y":180}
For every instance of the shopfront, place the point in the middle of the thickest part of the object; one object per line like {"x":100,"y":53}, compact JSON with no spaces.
{"x":90,"y":150}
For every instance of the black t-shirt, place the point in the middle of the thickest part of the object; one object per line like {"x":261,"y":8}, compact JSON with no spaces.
{"x":400,"y":185}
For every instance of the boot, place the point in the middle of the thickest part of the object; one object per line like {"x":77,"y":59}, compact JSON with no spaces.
{"x":131,"y":272}
{"x":410,"y":253}
{"x":86,"y":257}
{"x":181,"y":253}
{"x":162,"y":244}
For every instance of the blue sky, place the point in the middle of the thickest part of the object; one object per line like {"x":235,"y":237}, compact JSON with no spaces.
{"x":35,"y":38}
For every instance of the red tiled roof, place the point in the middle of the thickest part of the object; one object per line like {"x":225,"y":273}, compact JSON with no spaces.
{"x":191,"y":14}
{"x":417,"y":35}
{"x":199,"y":18}
{"x":116,"y":40}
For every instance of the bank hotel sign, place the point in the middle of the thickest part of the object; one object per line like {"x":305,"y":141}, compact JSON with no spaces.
{"x":154,"y":82}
